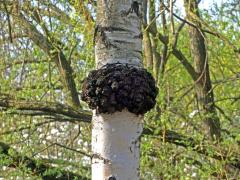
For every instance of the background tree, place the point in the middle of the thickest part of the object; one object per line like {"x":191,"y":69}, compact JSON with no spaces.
{"x":204,"y":91}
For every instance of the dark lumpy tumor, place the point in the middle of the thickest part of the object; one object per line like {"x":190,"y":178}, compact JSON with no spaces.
{"x":117,"y":86}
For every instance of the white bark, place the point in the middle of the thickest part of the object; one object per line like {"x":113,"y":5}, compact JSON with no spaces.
{"x":115,"y":137}
{"x":126,"y":46}
{"x":115,"y":141}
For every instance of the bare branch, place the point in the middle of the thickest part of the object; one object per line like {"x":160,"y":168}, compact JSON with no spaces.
{"x":42,"y":108}
{"x":55,"y":53}
{"x":9,"y":22}
{"x":209,"y":30}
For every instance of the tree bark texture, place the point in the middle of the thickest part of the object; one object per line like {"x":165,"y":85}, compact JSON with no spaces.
{"x":148,"y":56}
{"x":115,"y":137}
{"x":203,"y":84}
{"x":154,"y":40}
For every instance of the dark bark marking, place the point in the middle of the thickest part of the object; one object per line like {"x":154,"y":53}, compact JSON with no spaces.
{"x":134,"y":9}
{"x":140,"y":36}
{"x":100,"y":32}
{"x":112,"y":178}
{"x":98,"y":156}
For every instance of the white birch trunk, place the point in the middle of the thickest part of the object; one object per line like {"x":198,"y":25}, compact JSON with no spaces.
{"x":115,"y":141}
{"x":115,"y":137}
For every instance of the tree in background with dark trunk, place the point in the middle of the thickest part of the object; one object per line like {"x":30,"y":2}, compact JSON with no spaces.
{"x":203,"y":85}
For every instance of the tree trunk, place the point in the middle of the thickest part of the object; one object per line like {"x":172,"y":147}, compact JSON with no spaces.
{"x":148,"y":56}
{"x":204,"y":90}
{"x":154,"y":40}
{"x":115,"y":144}
{"x":56,"y":55}
{"x":115,"y":137}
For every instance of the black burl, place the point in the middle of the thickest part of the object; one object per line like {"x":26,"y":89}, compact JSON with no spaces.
{"x":117,"y":86}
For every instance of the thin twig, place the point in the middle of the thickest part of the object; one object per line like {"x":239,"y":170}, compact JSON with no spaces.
{"x":9,"y":22}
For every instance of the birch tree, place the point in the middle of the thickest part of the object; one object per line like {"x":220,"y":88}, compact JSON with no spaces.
{"x":120,"y":91}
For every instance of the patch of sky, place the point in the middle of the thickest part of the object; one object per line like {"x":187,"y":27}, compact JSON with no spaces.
{"x":203,"y":5}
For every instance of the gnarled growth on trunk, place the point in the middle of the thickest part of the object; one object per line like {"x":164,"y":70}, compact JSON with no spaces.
{"x":116,"y":86}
